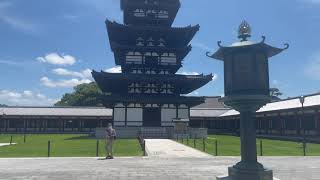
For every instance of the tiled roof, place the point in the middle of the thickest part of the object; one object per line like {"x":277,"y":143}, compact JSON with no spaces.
{"x":311,"y":100}
{"x":207,"y":112}
{"x":211,"y":108}
{"x":211,"y":103}
{"x":55,"y":111}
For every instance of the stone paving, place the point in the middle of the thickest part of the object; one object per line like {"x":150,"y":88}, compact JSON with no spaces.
{"x":168,"y":160}
{"x":6,"y":144}
{"x":170,"y":149}
{"x":145,"y":168}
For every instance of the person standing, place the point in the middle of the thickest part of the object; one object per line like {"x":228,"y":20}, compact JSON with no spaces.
{"x":110,"y":137}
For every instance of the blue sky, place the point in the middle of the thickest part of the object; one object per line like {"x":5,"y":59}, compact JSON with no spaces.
{"x":47,"y":47}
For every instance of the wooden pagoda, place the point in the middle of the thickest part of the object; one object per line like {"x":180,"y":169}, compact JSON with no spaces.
{"x":148,"y":92}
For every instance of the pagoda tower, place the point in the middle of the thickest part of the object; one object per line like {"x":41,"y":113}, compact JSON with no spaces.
{"x":148,"y":92}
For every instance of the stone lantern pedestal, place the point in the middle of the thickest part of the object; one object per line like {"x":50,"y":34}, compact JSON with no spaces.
{"x":248,"y":168}
{"x":181,"y":127}
{"x":247,"y":89}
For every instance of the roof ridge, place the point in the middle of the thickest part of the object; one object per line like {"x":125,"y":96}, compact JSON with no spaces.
{"x":57,"y":107}
{"x":297,"y":97}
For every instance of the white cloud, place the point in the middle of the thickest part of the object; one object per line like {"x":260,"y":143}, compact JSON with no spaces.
{"x":13,"y":21}
{"x":311,"y":1}
{"x":215,"y":77}
{"x":18,"y":23}
{"x":202,"y":46}
{"x":188,"y":73}
{"x":11,"y":63}
{"x":63,"y":83}
{"x":275,"y":83}
{"x":106,"y":8}
{"x":71,"y":17}
{"x":25,"y":98}
{"x":5,"y":4}
{"x":56,"y":59}
{"x":65,"y":72}
{"x":313,"y":67}
{"x":116,"y":69}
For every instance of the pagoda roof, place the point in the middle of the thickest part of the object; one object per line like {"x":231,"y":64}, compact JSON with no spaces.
{"x":171,"y":68}
{"x":174,"y":37}
{"x":129,"y":6}
{"x":117,"y":82}
{"x":152,"y":99}
{"x":120,"y":51}
{"x":170,"y":3}
{"x":268,"y":50}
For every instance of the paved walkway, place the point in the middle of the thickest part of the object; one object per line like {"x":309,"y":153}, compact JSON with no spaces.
{"x":142,"y":168}
{"x":6,"y":144}
{"x":171,"y":149}
{"x":168,"y":160}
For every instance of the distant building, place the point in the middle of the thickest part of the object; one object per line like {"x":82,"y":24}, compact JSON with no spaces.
{"x":284,"y":117}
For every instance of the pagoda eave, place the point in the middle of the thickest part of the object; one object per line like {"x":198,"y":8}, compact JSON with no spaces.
{"x":266,"y":49}
{"x":120,"y":50}
{"x":174,"y":37}
{"x":169,"y":3}
{"x":161,"y":100}
{"x":115,"y":82}
{"x":171,"y":68}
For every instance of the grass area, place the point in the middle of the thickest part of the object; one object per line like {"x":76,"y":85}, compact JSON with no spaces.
{"x":65,"y":145}
{"x":230,"y":146}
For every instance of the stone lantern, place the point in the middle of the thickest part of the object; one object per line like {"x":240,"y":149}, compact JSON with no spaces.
{"x":246,"y":77}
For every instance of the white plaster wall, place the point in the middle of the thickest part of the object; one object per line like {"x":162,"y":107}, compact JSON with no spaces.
{"x":134,"y":114}
{"x":167,"y":115}
{"x":183,"y":113}
{"x":119,"y":116}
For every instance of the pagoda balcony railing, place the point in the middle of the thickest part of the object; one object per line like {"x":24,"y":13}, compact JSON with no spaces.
{"x":154,"y":14}
{"x":170,"y":4}
{"x":123,"y":31}
{"x":149,"y":48}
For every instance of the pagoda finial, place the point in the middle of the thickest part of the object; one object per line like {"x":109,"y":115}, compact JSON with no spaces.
{"x":244,"y":31}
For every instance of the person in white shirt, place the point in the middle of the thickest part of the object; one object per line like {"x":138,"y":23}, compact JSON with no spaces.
{"x":110,"y":137}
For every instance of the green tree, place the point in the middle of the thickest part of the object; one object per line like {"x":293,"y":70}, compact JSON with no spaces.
{"x":83,"y":95}
{"x":275,"y":93}
{"x":3,"y":105}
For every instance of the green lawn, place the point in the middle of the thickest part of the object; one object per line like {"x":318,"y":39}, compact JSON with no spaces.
{"x":230,"y":146}
{"x":65,"y":146}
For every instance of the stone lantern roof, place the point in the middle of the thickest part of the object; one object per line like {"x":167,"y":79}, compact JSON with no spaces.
{"x":244,"y":43}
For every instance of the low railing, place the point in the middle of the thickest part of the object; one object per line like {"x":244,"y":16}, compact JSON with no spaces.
{"x":265,"y":147}
{"x":154,"y":132}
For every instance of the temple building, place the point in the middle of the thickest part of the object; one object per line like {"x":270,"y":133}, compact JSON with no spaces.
{"x":281,"y":118}
{"x":149,"y":92}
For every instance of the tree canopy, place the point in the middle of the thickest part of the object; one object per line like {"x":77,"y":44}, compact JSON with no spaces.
{"x":83,"y":95}
{"x":275,"y":94}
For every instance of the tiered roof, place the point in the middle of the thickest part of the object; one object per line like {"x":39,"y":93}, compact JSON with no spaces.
{"x":150,"y":51}
{"x":155,"y":12}
{"x":116,"y":82}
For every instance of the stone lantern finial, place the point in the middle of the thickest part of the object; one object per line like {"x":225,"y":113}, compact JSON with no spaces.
{"x":244,"y":31}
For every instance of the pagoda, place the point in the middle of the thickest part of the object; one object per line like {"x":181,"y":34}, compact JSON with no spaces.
{"x":148,"y":92}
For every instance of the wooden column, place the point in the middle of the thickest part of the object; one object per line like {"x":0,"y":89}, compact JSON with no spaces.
{"x":317,"y":121}
{"x":5,"y":125}
{"x":271,"y":126}
{"x":24,"y":125}
{"x":63,"y":124}
{"x":285,"y":126}
{"x":126,"y":115}
{"x":8,"y":124}
{"x":60,"y":124}
{"x":297,"y":123}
